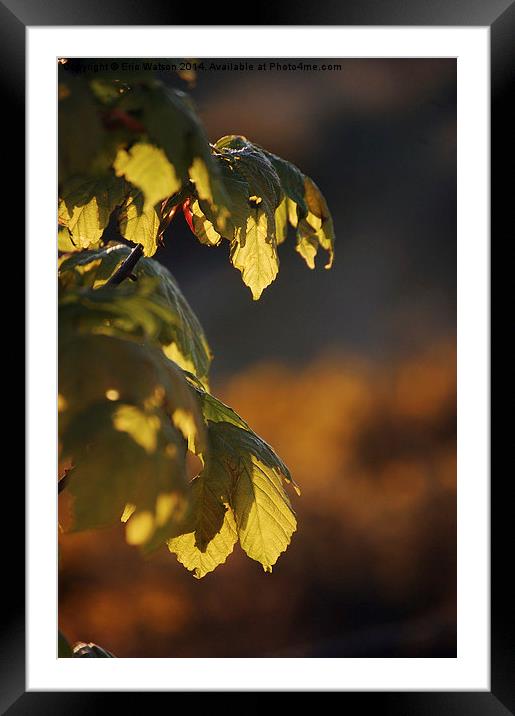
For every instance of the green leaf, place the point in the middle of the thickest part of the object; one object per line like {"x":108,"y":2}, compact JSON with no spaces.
{"x":188,"y":347}
{"x":264,"y":518}
{"x":128,"y":311}
{"x":81,"y":134}
{"x":214,"y":411}
{"x":127,"y":413}
{"x":203,"y":228}
{"x":211,"y":531}
{"x":175,"y":326}
{"x":140,"y":223}
{"x":262,"y":180}
{"x":172,"y":123}
{"x":122,"y":454}
{"x":255,"y":255}
{"x":263,"y":192}
{"x":86,"y":205}
{"x":281,"y":221}
{"x":148,"y":169}
{"x":93,"y":267}
{"x":65,"y":241}
{"x":238,"y":494}
{"x":308,"y":211}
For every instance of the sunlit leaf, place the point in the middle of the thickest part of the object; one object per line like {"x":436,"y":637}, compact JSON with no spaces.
{"x":95,"y":367}
{"x":238,"y":495}
{"x":148,"y":169}
{"x":308,"y":211}
{"x":175,"y":326}
{"x":264,"y":518}
{"x":264,"y":193}
{"x":281,"y":221}
{"x":211,"y":531}
{"x":86,"y":205}
{"x":140,"y":223}
{"x":255,"y":255}
{"x":171,"y":123}
{"x":111,"y":468}
{"x":65,"y":241}
{"x":203,"y":228}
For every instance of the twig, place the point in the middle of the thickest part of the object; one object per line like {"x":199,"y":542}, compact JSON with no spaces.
{"x":61,"y":484}
{"x":125,"y":270}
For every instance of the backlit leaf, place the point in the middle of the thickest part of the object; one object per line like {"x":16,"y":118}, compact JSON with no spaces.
{"x":140,"y":223}
{"x":264,"y":192}
{"x":175,"y":326}
{"x":148,"y":169}
{"x":211,"y":531}
{"x":255,"y":255}
{"x":111,"y":468}
{"x":86,"y":206}
{"x":264,"y":518}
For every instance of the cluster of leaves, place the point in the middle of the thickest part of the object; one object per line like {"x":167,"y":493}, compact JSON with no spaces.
{"x":133,"y":359}
{"x":128,"y":414}
{"x":134,"y":149}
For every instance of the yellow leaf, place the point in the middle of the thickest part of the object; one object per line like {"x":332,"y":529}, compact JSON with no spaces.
{"x":255,"y":255}
{"x":147,"y":168}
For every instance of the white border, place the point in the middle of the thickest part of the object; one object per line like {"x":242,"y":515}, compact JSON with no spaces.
{"x":470,"y":670}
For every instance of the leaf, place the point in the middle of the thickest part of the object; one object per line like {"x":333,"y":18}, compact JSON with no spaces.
{"x":263,"y":192}
{"x":189,"y":347}
{"x":112,"y":468}
{"x":65,"y":241}
{"x":80,"y":130}
{"x":128,"y":311}
{"x":202,"y":227}
{"x":211,"y":533}
{"x":140,"y":223}
{"x":317,"y":226}
{"x":281,"y":221}
{"x":308,"y":211}
{"x":86,"y":205}
{"x":254,"y":255}
{"x":172,"y":123}
{"x":175,"y":325}
{"x":93,"y":267}
{"x":238,"y":494}
{"x":264,"y":518}
{"x":214,"y":411}
{"x":148,"y":169}
{"x":94,"y":368}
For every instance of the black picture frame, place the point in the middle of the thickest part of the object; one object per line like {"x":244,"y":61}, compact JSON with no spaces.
{"x":499,"y":15}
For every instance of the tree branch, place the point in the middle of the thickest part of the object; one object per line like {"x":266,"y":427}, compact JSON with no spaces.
{"x":63,"y":481}
{"x":125,"y":269}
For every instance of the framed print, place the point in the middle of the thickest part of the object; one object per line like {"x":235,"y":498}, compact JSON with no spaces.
{"x":311,"y":445}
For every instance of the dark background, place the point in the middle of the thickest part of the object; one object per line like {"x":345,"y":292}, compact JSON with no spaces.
{"x":348,"y":373}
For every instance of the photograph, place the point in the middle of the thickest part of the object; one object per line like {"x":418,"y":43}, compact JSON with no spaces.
{"x":257,"y":357}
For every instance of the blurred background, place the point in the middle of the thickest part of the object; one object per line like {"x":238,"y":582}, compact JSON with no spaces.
{"x":350,"y":375}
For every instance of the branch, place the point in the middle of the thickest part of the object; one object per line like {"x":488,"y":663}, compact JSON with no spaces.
{"x":64,"y":480}
{"x":125,"y":269}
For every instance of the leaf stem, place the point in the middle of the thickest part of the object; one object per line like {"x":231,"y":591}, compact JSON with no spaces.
{"x":61,"y":484}
{"x":125,"y":269}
